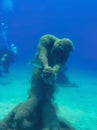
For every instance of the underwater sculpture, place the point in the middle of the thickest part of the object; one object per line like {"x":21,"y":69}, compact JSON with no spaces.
{"x":38,"y":112}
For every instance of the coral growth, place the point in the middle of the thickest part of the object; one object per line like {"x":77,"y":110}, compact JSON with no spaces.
{"x":38,"y":112}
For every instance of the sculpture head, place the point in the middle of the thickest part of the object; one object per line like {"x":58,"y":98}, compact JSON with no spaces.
{"x":64,"y":46}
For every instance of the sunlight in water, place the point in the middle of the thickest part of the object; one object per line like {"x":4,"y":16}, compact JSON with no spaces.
{"x":7,"y":5}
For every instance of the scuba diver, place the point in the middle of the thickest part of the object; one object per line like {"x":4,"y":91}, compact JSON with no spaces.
{"x":6,"y":53}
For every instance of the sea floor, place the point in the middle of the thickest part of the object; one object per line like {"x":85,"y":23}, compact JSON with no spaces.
{"x":77,"y":105}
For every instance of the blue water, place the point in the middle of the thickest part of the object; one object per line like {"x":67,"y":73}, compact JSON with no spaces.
{"x":27,"y":21}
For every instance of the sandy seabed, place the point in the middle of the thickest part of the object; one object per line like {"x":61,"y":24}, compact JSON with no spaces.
{"x":77,"y":105}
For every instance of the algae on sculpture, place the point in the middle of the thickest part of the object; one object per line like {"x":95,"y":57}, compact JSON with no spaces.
{"x":38,"y":111}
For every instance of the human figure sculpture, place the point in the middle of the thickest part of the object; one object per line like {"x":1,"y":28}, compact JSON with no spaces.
{"x":38,"y":112}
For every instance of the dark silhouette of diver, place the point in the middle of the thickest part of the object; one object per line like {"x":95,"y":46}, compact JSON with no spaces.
{"x":6,"y":53}
{"x":6,"y":59}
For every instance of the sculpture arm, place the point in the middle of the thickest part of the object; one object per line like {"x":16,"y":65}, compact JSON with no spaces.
{"x":45,"y":45}
{"x":60,"y":62}
{"x":57,"y":67}
{"x":42,"y":49}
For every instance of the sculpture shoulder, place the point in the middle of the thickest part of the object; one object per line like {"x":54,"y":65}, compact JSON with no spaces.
{"x":47,"y":40}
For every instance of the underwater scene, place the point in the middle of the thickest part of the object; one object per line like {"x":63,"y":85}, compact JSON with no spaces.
{"x":48,"y":65}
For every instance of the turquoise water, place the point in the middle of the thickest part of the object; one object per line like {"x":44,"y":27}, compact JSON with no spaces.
{"x":27,"y":21}
{"x":77,"y":105}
